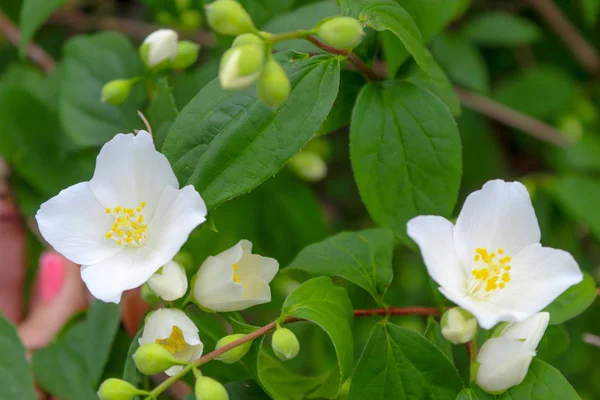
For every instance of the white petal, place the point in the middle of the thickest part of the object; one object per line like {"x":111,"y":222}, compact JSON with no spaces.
{"x":538,"y":276}
{"x":163,"y":46}
{"x":253,"y":265}
{"x":171,"y":283}
{"x":256,"y":292}
{"x":177,"y":214}
{"x":531,"y":330}
{"x":234,"y":254}
{"x":75,"y":223}
{"x":504,"y":363}
{"x":129,"y":170}
{"x":132,"y":267}
{"x":214,"y":283}
{"x":433,"y":235}
{"x":500,"y":215}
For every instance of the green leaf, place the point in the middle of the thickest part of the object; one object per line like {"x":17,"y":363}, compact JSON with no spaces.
{"x":555,"y":342}
{"x":433,"y":333}
{"x":319,"y":301}
{"x":591,"y":8}
{"x":400,"y":364}
{"x":364,"y":258}
{"x":130,"y":372}
{"x":246,"y":390}
{"x":341,"y":112}
{"x":390,"y":16}
{"x":162,"y":111}
{"x":542,"y":382}
{"x":44,"y":88}
{"x":103,"y":322}
{"x":473,"y":394}
{"x":462,"y":61}
{"x":89,"y":62}
{"x":497,"y":28}
{"x":577,"y":196}
{"x":573,"y":301}
{"x":188,"y":83}
{"x":33,"y":15}
{"x":226,"y":143}
{"x":405,"y":153}
{"x":15,"y":373}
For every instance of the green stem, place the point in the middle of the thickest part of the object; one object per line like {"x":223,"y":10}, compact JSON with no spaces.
{"x":278,"y":37}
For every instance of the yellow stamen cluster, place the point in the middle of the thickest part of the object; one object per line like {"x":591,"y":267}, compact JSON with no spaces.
{"x":236,"y":277}
{"x":492,"y":276}
{"x":129,"y":227}
{"x":174,"y":343}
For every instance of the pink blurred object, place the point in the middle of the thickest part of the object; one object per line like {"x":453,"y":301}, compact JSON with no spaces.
{"x":52,"y":276}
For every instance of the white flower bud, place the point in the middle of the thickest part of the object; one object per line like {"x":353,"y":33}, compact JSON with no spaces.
{"x":170,"y":282}
{"x":529,"y":331}
{"x":503,"y":364}
{"x":228,"y":17}
{"x":209,"y":389}
{"x":159,"y":48}
{"x":458,"y":325}
{"x":241,"y":66}
{"x":341,"y":32}
{"x":285,"y":344}
{"x":308,"y":166}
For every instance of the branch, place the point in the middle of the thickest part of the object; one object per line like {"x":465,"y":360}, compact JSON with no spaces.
{"x":585,"y":53}
{"x":512,"y":118}
{"x":34,"y":52}
{"x":398,"y":311}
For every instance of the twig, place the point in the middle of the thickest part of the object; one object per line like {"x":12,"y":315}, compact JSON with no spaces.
{"x":398,"y":311}
{"x":591,"y":339}
{"x":80,"y":21}
{"x":512,"y":118}
{"x":34,"y":52}
{"x":585,"y":53}
{"x":143,"y":118}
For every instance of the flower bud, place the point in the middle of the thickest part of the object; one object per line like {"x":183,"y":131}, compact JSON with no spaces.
{"x":170,"y":283}
{"x":235,"y":354}
{"x":273,"y":86}
{"x":191,"y":19}
{"x":183,"y":5}
{"x":209,"y":389}
{"x":228,"y":17}
{"x":285,"y":344}
{"x":152,"y":359}
{"x":117,"y":389}
{"x":117,"y":91}
{"x":341,"y":32}
{"x":159,"y":49}
{"x":187,"y":54}
{"x":308,"y":166}
{"x":503,"y":363}
{"x":247,"y":38}
{"x":458,"y":326}
{"x":241,"y":66}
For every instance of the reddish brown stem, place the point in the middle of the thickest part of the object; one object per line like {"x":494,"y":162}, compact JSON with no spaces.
{"x":398,"y":311}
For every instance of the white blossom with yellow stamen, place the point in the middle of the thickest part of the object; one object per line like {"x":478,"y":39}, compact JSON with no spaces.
{"x":130,"y":219}
{"x":235,"y":279}
{"x":174,"y":331}
{"x":491,"y":262}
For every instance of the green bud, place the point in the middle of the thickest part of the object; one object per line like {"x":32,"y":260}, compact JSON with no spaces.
{"x":247,"y":38}
{"x":191,"y":19}
{"x":285,"y":344}
{"x":183,"y":4}
{"x":117,"y":91}
{"x":228,"y":17}
{"x":273,"y":86}
{"x":152,"y":359}
{"x":209,"y":389}
{"x":187,"y":54}
{"x":165,"y":18}
{"x":116,"y":389}
{"x":148,"y":295}
{"x":235,"y":354}
{"x":341,"y":32}
{"x":308,"y":166}
{"x":241,"y":66}
{"x":320,"y":146}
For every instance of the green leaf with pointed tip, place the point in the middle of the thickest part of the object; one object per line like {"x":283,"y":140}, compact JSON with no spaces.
{"x":162,"y":112}
{"x":497,"y":28}
{"x":399,"y":364}
{"x":573,"y":301}
{"x":364,"y":258}
{"x":226,"y":143}
{"x":473,"y":394}
{"x":103,"y":322}
{"x":15,"y":373}
{"x":33,"y":15}
{"x":130,"y":372}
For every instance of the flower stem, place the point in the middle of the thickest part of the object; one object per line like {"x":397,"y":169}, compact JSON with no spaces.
{"x":299,"y":34}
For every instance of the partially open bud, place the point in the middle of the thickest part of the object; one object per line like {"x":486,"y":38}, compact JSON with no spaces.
{"x":308,"y":166}
{"x":458,"y":325}
{"x":228,"y":17}
{"x":117,"y":91}
{"x":170,"y":283}
{"x":503,"y":363}
{"x":273,"y":86}
{"x":341,"y":32}
{"x":235,"y":354}
{"x":208,"y":389}
{"x":152,"y":359}
{"x":159,"y":48}
{"x":285,"y":344}
{"x":117,"y":389}
{"x":241,"y":66}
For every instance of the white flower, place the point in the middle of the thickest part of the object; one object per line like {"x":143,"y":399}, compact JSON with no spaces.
{"x":504,"y":361}
{"x":174,"y":331}
{"x":235,"y":279}
{"x":491,"y":262}
{"x":159,"y":46}
{"x":458,"y":326}
{"x":170,"y":283}
{"x":125,"y":223}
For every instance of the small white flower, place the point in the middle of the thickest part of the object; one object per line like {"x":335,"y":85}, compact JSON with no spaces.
{"x":491,"y":262}
{"x":170,"y":283}
{"x":125,"y":223}
{"x":458,"y":326}
{"x":235,"y":279}
{"x":174,"y":331}
{"x":504,"y":361}
{"x":159,"y":46}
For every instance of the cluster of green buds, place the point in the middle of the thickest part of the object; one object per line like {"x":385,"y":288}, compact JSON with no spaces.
{"x":186,"y":18}
{"x":161,"y":50}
